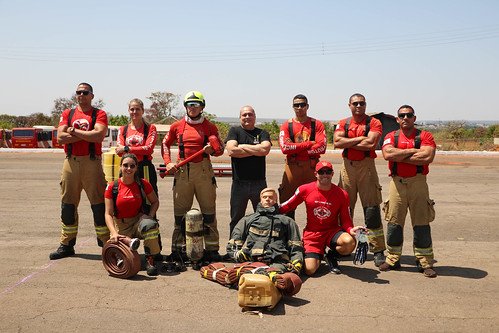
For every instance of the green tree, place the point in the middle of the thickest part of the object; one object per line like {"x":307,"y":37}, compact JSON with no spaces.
{"x":7,"y":121}
{"x":63,"y":103}
{"x":39,"y":119}
{"x":163,"y":106}
{"x":329,"y":130}
{"x":493,"y":131}
{"x":117,"y":120}
{"x":273,"y":128}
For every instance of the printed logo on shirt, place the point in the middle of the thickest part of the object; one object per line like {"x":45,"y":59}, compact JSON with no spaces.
{"x":134,"y":140}
{"x":81,"y":124}
{"x":322,"y":213}
{"x":302,"y":137}
{"x":387,"y":141}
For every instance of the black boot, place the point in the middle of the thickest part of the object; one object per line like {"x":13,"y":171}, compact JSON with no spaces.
{"x":151,"y":268}
{"x":332,"y":261}
{"x":62,"y":251}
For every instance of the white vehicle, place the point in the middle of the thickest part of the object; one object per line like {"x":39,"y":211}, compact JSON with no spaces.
{"x":111,"y":139}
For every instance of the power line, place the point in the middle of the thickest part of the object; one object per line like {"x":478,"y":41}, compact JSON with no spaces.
{"x":214,"y":53}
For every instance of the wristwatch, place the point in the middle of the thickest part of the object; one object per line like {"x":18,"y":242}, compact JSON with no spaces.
{"x":126,"y":149}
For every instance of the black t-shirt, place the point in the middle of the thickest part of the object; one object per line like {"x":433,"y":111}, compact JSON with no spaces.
{"x":251,"y":167}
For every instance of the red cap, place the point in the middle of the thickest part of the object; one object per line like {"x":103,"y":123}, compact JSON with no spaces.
{"x":323,"y":164}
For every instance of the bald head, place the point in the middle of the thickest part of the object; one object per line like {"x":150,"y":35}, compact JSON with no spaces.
{"x":247,"y":117}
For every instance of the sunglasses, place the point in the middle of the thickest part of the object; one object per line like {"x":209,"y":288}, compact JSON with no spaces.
{"x":131,"y":166}
{"x":406,"y":115}
{"x":325,"y":172}
{"x":299,"y":105}
{"x":193,"y":104}
{"x":82,"y":92}
{"x":359,"y":103}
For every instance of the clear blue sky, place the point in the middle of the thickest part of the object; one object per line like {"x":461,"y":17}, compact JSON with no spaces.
{"x":439,"y":56}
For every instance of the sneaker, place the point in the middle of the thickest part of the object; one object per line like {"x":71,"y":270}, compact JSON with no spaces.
{"x":332,"y":262}
{"x":62,"y":251}
{"x":384,"y":267}
{"x":428,"y":272}
{"x":151,"y":268}
{"x":379,"y":258}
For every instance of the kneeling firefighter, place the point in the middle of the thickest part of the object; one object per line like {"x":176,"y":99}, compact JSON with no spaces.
{"x":127,"y":212}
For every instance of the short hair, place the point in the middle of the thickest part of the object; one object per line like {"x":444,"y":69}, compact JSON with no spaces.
{"x":88,"y":85}
{"x":356,"y":95}
{"x":268,"y":189}
{"x":405,"y":106}
{"x":138,"y":101}
{"x":300,"y":96}
{"x":247,"y":106}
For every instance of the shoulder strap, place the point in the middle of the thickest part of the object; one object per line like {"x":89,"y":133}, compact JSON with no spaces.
{"x":69,"y":146}
{"x":312,"y":128}
{"x":368,"y":126}
{"x":115,"y":196}
{"x":125,"y":130}
{"x":290,"y":130}
{"x":367,"y":153}
{"x":145,"y":207}
{"x":207,"y":132}
{"x":347,"y":124}
{"x":146,"y":131}
{"x":181,"y":147}
{"x":417,"y":145}
{"x":91,"y":145}
{"x":417,"y":139}
{"x":395,"y":144}
{"x":146,"y":134}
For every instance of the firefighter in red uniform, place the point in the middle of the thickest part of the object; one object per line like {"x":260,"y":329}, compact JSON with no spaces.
{"x":82,"y":131}
{"x":303,"y":140}
{"x":139,"y":138}
{"x":195,"y":178}
{"x":358,"y":136}
{"x":328,"y":220}
{"x":409,"y":152}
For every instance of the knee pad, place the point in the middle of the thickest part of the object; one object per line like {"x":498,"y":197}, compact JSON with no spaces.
{"x":68,"y":212}
{"x":395,"y":234}
{"x":98,"y":211}
{"x":372,"y":217}
{"x":422,"y":236}
{"x":148,"y":224}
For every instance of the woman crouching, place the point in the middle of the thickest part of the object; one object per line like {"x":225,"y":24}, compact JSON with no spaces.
{"x":128,"y":214}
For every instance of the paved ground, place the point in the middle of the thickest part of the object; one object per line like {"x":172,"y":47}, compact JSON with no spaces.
{"x":76,"y":294}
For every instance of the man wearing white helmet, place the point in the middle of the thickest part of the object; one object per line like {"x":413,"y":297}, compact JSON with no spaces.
{"x":194,"y":178}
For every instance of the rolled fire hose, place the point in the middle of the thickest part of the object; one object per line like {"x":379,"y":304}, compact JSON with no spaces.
{"x":121,"y":259}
